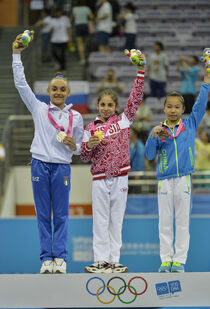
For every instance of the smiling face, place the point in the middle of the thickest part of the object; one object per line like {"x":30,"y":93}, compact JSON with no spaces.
{"x":173,"y":109}
{"x":106,"y":107}
{"x":58,"y":91}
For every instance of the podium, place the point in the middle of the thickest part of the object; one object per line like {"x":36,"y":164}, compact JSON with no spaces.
{"x":104,"y":290}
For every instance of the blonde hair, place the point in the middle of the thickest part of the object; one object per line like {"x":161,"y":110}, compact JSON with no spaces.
{"x":59,"y":75}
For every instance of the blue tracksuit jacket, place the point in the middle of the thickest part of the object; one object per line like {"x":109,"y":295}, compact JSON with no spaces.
{"x":176,"y":156}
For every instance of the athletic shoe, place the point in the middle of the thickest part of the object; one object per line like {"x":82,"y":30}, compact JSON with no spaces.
{"x":119,"y":268}
{"x":177,"y":267}
{"x":59,"y":266}
{"x":47,"y":267}
{"x":165,"y":267}
{"x":100,"y":267}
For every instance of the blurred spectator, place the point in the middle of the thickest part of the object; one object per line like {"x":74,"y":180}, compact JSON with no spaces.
{"x":189,"y":71}
{"x":60,"y":36}
{"x":202,"y":158}
{"x":202,"y":147}
{"x":2,"y":168}
{"x":158,"y":71}
{"x":45,"y":33}
{"x":93,"y":6}
{"x":137,"y":158}
{"x":63,"y":5}
{"x":104,"y":25}
{"x":80,"y":15}
{"x":142,"y":122}
{"x":130,"y":26}
{"x":2,"y":153}
{"x":205,"y":123}
{"x":110,"y":82}
{"x":35,"y":10}
{"x":115,"y":13}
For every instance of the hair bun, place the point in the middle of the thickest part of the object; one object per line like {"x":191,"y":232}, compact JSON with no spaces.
{"x":58,"y":75}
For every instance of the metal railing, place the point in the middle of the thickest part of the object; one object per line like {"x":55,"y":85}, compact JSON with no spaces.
{"x":146,"y":182}
{"x":17,"y":137}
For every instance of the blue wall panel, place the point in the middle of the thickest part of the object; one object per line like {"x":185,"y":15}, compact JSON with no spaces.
{"x":20,"y":245}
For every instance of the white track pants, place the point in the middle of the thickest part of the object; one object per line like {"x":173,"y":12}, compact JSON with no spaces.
{"x":174,"y":200}
{"x":109,"y":198}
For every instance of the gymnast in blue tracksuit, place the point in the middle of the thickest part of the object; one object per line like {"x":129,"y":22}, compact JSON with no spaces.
{"x":58,"y":135}
{"x":174,"y":142}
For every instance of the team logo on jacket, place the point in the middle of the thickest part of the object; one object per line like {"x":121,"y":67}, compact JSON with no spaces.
{"x":113,"y":129}
{"x":66,"y":180}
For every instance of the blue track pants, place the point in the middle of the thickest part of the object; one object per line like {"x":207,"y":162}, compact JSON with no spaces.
{"x":51,"y":187}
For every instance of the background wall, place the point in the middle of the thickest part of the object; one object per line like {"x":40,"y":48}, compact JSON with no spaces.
{"x":19,"y":196}
{"x":140,"y":251}
{"x":8,"y":13}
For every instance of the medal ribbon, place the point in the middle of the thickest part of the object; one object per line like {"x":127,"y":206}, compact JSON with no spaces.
{"x":55,"y":125}
{"x":108,"y":124}
{"x":177,"y":131}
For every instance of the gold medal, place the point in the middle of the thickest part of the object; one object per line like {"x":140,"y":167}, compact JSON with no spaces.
{"x":60,"y":136}
{"x":100,"y":135}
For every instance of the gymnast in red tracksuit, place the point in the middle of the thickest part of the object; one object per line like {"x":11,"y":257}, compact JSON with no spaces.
{"x":106,"y":145}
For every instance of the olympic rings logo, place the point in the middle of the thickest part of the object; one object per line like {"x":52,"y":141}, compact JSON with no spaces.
{"x":113,"y":291}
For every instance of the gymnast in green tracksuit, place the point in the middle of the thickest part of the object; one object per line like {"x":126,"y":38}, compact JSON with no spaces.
{"x":174,"y":142}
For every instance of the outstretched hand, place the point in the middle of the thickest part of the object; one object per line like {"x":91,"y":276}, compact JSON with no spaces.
{"x":19,"y":49}
{"x":206,"y":77}
{"x":142,"y":58}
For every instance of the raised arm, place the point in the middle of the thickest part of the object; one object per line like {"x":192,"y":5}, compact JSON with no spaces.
{"x":21,"y":84}
{"x":199,"y":108}
{"x":136,"y":94}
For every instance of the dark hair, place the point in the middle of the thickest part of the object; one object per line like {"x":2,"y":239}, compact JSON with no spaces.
{"x":130,"y":6}
{"x":175,"y":94}
{"x":208,"y":105}
{"x":195,"y":58}
{"x":110,"y":92}
{"x":59,"y":9}
{"x":160,"y":44}
{"x":47,"y":11}
{"x":80,"y":3}
{"x":110,"y":70}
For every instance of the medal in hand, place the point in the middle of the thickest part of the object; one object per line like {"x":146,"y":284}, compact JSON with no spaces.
{"x":100,"y":135}
{"x":60,"y":136}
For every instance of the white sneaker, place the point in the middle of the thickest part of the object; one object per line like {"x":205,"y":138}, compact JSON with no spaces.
{"x":100,"y":267}
{"x":59,"y":266}
{"x":119,"y":268}
{"x":47,"y":267}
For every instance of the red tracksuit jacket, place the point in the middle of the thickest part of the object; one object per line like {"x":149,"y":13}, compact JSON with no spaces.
{"x":111,"y":157}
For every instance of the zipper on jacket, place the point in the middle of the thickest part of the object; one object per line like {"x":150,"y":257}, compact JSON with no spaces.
{"x":177,"y":165}
{"x":176,"y":155}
